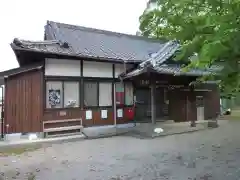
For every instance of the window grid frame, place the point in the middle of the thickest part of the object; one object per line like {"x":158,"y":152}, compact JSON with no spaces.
{"x":81,"y":81}
{"x":63,"y":94}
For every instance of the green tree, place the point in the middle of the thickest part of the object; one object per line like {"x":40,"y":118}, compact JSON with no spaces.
{"x":209,"y":28}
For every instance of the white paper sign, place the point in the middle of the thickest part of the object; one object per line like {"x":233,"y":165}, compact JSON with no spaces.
{"x":120,"y":113}
{"x":104,"y":114}
{"x":88,"y":114}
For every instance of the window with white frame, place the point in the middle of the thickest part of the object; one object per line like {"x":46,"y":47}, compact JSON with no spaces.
{"x":61,"y":94}
{"x":105,"y":94}
{"x":90,"y":94}
{"x":128,"y":93}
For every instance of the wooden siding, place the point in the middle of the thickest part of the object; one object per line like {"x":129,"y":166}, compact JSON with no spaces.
{"x":124,"y":119}
{"x":182,"y":106}
{"x":75,"y":113}
{"x":25,"y":94}
{"x":177,"y":106}
{"x":98,"y":119}
{"x":191,"y":106}
{"x":211,"y":102}
{"x":23,"y":102}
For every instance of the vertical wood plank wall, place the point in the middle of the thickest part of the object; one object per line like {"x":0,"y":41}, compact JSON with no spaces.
{"x":182,"y":108}
{"x":178,"y":106}
{"x":23,"y":102}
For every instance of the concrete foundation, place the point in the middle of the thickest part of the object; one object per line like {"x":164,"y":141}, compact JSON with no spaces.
{"x":91,"y":132}
{"x":23,"y":136}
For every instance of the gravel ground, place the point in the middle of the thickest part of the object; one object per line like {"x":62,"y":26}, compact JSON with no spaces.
{"x":210,"y":154}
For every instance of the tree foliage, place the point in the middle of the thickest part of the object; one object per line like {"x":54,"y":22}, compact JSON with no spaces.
{"x":209,"y":28}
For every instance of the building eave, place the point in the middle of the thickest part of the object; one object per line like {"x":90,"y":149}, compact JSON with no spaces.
{"x":70,"y":56}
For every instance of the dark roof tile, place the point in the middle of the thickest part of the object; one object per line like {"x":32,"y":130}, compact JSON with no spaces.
{"x":175,"y":70}
{"x":103,"y":44}
{"x":51,"y":46}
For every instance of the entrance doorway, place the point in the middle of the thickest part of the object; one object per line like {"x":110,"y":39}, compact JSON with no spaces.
{"x":200,"y":108}
{"x":143,"y":105}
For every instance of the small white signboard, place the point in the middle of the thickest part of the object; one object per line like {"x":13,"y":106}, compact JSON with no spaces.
{"x":104,"y":114}
{"x":88,"y":114}
{"x":120,"y":113}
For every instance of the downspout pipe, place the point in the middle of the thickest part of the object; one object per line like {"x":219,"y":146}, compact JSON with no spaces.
{"x":2,"y":114}
{"x":114,"y":105}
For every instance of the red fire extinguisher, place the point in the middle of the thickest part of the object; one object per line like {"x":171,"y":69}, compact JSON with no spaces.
{"x":130,"y":114}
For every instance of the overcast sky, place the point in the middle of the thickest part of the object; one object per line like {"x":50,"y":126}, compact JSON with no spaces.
{"x":25,"y":19}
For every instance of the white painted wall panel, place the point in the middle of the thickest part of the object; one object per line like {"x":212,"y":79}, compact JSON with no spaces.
{"x":119,"y":68}
{"x":97,"y":69}
{"x":62,"y":67}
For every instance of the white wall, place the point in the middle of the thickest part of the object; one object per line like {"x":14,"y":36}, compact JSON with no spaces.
{"x":2,"y":93}
{"x":97,"y":69}
{"x":67,"y":67}
{"x":62,"y":67}
{"x":119,"y":68}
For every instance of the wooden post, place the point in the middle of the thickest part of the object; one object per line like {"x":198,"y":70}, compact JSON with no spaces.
{"x":192,"y":98}
{"x":153,"y":102}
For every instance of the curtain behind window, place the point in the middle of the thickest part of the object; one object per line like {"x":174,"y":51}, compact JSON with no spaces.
{"x":90,"y":94}
{"x":71,"y":94}
{"x":105,"y":94}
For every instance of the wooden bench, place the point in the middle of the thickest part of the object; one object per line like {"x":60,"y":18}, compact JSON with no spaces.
{"x":46,"y":131}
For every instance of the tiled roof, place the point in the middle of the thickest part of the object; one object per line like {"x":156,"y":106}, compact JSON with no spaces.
{"x":166,"y":52}
{"x":78,"y":41}
{"x":103,"y":44}
{"x":48,"y":46}
{"x":175,"y":70}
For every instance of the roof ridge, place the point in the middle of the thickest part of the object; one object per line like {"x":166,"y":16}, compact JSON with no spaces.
{"x":44,"y":42}
{"x":107,"y":32}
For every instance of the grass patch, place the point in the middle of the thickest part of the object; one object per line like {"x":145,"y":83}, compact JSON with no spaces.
{"x":7,"y":151}
{"x":235,"y":114}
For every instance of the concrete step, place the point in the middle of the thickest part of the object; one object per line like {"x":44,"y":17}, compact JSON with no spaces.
{"x":64,"y":135}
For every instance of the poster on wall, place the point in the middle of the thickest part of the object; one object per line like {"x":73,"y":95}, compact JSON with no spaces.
{"x":54,"y":97}
{"x":119,"y":93}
